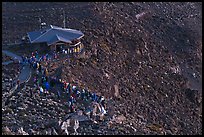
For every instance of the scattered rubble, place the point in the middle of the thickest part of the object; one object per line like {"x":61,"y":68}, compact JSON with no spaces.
{"x":145,"y":57}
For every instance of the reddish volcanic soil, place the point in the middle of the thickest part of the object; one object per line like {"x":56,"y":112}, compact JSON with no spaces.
{"x":150,"y":51}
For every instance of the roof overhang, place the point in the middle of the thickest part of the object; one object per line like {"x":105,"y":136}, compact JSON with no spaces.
{"x":60,"y":34}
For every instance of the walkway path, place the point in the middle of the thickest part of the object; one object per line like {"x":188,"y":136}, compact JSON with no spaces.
{"x":7,"y":62}
{"x":25,"y":72}
{"x":24,"y":75}
{"x":12,"y":55}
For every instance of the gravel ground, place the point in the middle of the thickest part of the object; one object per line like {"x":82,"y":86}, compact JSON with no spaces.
{"x":145,"y":57}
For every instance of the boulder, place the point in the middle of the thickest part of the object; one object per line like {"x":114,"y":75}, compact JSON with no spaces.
{"x":116,"y":94}
{"x":118,"y":120}
{"x":54,"y":132}
{"x":31,"y":132}
{"x":70,"y":125}
{"x":7,"y":131}
{"x":64,"y":127}
{"x":6,"y":80}
{"x":21,"y":131}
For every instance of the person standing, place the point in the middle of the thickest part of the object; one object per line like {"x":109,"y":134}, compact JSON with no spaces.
{"x":103,"y":102}
{"x":22,"y":59}
{"x":42,"y":79}
{"x":86,"y":96}
{"x":29,"y":62}
{"x":72,"y":108}
{"x":18,"y":82}
{"x":58,"y":94}
{"x":35,"y":65}
{"x":40,"y":68}
{"x":38,"y":82}
{"x":99,"y":99}
{"x":31,"y":93}
{"x":102,"y":113}
{"x":74,"y":89}
{"x":69,"y":87}
{"x":65,"y":85}
{"x":82,"y":94}
{"x":73,"y":94}
{"x":51,"y":83}
{"x":36,"y":54}
{"x":41,"y":90}
{"x":89,"y":96}
{"x":13,"y":83}
{"x":26,"y":60}
{"x":55,"y":55}
{"x":68,"y":93}
{"x":35,"y":80}
{"x":78,"y":93}
{"x":93,"y":96}
{"x":47,"y":85}
{"x":46,"y":72}
{"x":46,"y":60}
{"x":45,"y":92}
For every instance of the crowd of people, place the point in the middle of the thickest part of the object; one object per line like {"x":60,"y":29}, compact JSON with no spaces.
{"x":47,"y":84}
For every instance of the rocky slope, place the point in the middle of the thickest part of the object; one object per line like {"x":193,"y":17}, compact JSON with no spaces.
{"x":147,"y":57}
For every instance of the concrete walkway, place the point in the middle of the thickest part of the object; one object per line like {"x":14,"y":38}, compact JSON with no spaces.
{"x":25,"y":72}
{"x":24,"y":75}
{"x":7,"y":62}
{"x":12,"y":55}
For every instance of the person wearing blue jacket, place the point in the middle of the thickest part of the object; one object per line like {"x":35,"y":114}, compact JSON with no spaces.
{"x":83,"y":94}
{"x":47,"y":86}
{"x":93,"y":95}
{"x":58,"y":94}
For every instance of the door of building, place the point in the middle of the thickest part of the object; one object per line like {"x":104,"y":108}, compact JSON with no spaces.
{"x":58,"y":48}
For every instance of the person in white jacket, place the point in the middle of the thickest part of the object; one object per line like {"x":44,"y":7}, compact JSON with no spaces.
{"x":41,"y":90}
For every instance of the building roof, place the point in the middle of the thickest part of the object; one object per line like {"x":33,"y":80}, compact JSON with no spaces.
{"x":54,"y":34}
